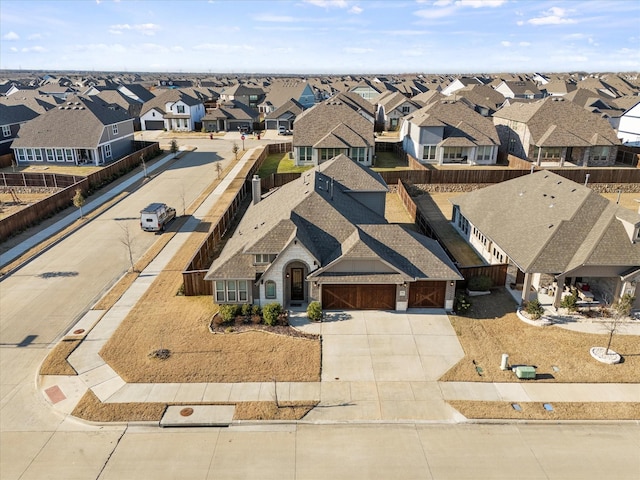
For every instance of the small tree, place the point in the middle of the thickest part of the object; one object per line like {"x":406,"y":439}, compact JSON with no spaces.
{"x":127,"y":240}
{"x":219,"y":169}
{"x":144,"y":166}
{"x":235,"y":149}
{"x":534,"y":309}
{"x":79,"y":201}
{"x":174,"y":146}
{"x":314,"y":311}
{"x":570,"y":302}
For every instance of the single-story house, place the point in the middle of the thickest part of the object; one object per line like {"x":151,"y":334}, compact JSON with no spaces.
{"x":283,"y":116}
{"x":553,"y":233}
{"x":324,"y":237}
{"x":554,"y":131}
{"x":81,"y":130}
{"x":230,"y":115}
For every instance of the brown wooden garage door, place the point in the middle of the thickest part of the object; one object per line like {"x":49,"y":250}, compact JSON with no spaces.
{"x":359,"y":297}
{"x":427,"y":294}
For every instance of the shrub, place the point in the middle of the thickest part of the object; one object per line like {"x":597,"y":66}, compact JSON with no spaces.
{"x":314,"y":311}
{"x":256,"y":310}
{"x":271,"y":312}
{"x":228,"y":313}
{"x":534,"y":309}
{"x":480,"y":283}
{"x":245,"y":310}
{"x":461,"y":303}
{"x":174,"y":146}
{"x":570,"y":302}
{"x":624,"y":305}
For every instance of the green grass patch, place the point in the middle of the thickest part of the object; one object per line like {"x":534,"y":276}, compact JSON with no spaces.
{"x":279,"y":163}
{"x":388,"y":161}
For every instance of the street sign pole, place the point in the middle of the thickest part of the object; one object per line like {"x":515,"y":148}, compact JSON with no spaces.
{"x":242,"y":138}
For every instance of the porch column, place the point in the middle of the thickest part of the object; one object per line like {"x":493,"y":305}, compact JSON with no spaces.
{"x":563,"y":156}
{"x":539,"y":156}
{"x":557,"y":298}
{"x":526,"y":287}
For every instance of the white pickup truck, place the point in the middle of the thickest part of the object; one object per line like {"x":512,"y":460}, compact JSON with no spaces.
{"x":156,"y":216}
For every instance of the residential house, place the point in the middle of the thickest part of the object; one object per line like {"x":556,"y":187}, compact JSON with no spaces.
{"x":16,"y":110}
{"x":446,"y":132}
{"x":553,"y":233}
{"x":369,"y":90}
{"x":558,"y":88}
{"x":282,"y":91}
{"x":519,"y":89}
{"x":391,"y":108}
{"x":629,"y":126}
{"x":283,"y":116}
{"x":172,"y":109}
{"x":250,"y":96}
{"x":136,"y":91}
{"x":82,"y":130}
{"x":462,"y":82}
{"x":481,"y":98}
{"x":328,"y":129}
{"x":324,"y":237}
{"x":555,"y":131}
{"x":229,"y":116}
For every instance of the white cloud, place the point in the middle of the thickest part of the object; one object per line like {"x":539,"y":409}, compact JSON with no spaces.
{"x":436,"y":13}
{"x":505,"y":44}
{"x":328,"y":3}
{"x":357,"y":50}
{"x":356,"y":10}
{"x":524,"y":44}
{"x":553,"y":16}
{"x":446,"y":8}
{"x":14,"y":49}
{"x":406,"y":32}
{"x":35,"y":49}
{"x":273,"y":18}
{"x":11,"y":36}
{"x":441,"y":3}
{"x":480,"y":3}
{"x":144,"y":28}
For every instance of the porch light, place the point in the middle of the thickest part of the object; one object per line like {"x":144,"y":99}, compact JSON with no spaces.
{"x":452,"y":283}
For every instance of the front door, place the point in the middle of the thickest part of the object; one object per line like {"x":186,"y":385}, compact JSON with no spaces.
{"x":297,"y":284}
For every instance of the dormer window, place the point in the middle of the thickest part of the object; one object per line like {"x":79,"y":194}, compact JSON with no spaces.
{"x":264,"y":258}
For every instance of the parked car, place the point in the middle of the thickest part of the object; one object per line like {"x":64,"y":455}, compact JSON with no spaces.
{"x":283,"y":131}
{"x":156,"y":216}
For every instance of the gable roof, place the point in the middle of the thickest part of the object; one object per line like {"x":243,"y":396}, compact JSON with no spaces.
{"x":171,"y":95}
{"x":565,"y":115}
{"x":78,"y":123}
{"x":291,"y":106}
{"x":552,"y":225}
{"x":320,"y":213}
{"x":282,"y":91}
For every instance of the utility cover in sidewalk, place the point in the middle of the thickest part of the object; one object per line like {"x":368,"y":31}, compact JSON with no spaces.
{"x":201,"y":416}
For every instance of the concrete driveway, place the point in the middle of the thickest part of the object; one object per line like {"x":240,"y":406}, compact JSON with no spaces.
{"x":379,"y":365}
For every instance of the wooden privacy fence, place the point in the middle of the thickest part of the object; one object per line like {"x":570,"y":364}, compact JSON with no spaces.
{"x":33,"y":214}
{"x":195,"y":271}
{"x":497,"y":273}
{"x":6,"y":160}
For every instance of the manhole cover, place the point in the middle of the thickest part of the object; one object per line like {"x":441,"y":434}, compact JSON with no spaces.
{"x":185,"y":412}
{"x":78,"y":331}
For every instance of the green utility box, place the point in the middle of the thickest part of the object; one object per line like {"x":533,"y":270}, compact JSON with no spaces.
{"x":526,"y":372}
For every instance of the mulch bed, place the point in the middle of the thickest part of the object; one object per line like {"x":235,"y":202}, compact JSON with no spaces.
{"x":248,"y":324}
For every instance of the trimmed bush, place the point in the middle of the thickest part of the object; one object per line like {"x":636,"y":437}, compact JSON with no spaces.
{"x":461,"y":304}
{"x":481,"y":283}
{"x":314,"y":311}
{"x":245,"y":310}
{"x":534,"y":309}
{"x":228,"y":313}
{"x":256,"y":310}
{"x":271,"y":312}
{"x":570,"y":302}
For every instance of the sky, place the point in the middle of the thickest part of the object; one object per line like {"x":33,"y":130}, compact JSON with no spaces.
{"x":321,"y":36}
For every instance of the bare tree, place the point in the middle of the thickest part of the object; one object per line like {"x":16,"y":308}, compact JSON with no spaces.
{"x":144,"y":166}
{"x":78,"y":200}
{"x":219,"y":169}
{"x":235,"y":149}
{"x":183,"y":199}
{"x":127,"y":240}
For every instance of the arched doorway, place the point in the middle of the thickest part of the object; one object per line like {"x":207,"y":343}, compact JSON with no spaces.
{"x":295,"y":284}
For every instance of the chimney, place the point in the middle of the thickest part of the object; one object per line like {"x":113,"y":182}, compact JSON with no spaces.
{"x":256,"y":189}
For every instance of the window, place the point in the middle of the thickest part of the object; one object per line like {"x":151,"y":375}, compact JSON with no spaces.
{"x":359,"y":154}
{"x":304,"y":154}
{"x":29,"y":155}
{"x":329,"y":153}
{"x":452,"y":153}
{"x":220,"y":289}
{"x":429,"y":152}
{"x":270,"y":289}
{"x":512,"y":145}
{"x":107,"y":151}
{"x":242,"y":291}
{"x":38,"y":153}
{"x":599,"y":153}
{"x":68,"y":153}
{"x":59,"y":155}
{"x":253,"y":98}
{"x":406,"y":109}
{"x":483,"y":153}
{"x":264,"y":258}
{"x":6,"y":130}
{"x":180,"y":108}
{"x":231,"y":291}
{"x":114,"y":129}
{"x":547,"y":153}
{"x":50,"y":155}
{"x":463,"y":223}
{"x":20,"y":154}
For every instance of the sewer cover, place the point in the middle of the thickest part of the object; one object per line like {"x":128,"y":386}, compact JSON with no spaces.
{"x":185,"y":412}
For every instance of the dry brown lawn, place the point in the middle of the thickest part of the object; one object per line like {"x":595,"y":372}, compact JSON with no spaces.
{"x":536,"y":410}
{"x":492,"y":328}
{"x":56,"y":362}
{"x":92,"y":409}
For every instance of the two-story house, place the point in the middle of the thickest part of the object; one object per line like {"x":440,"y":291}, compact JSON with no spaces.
{"x":391,"y":108}
{"x":172,"y":109}
{"x":447,"y":132}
